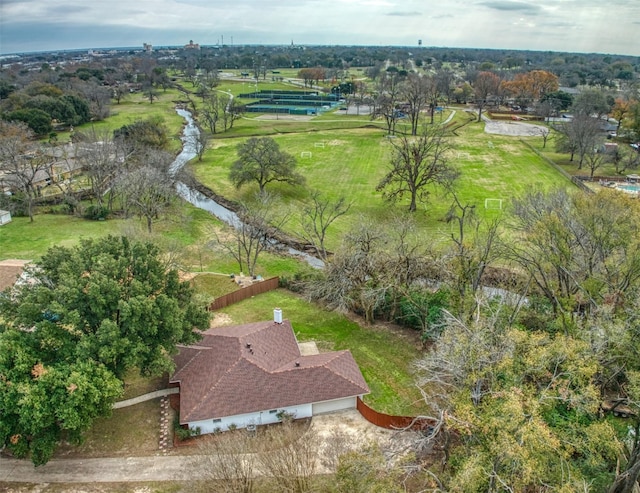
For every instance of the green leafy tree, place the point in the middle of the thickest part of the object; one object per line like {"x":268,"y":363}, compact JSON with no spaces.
{"x":522,"y":405}
{"x":38,"y":120}
{"x":91,"y":313}
{"x":262,"y":161}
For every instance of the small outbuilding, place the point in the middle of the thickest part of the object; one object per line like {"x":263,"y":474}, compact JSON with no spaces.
{"x":633,"y":178}
{"x":5,"y":217}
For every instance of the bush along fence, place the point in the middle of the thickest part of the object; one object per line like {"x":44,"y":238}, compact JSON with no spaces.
{"x":391,"y":422}
{"x":244,"y":293}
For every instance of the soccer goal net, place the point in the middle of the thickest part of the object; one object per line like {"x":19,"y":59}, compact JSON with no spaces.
{"x":305,"y":154}
{"x":495,"y":204}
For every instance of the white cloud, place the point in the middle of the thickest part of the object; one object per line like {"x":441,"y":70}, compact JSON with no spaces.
{"x":559,"y":25}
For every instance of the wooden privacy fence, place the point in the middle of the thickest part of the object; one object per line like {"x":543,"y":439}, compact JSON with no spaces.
{"x":244,"y":293}
{"x":391,"y":422}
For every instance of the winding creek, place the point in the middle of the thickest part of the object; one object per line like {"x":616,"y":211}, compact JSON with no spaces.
{"x":198,"y":199}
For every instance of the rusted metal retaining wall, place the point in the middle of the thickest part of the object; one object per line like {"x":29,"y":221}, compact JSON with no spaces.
{"x":244,"y":293}
{"x":392,"y":422}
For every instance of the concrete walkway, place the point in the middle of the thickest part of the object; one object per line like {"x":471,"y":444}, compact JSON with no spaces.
{"x":146,"y":397}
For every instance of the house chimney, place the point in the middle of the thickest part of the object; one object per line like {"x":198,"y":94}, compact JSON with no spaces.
{"x":277,"y":315}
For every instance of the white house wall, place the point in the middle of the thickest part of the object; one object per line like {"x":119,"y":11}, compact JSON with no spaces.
{"x":335,"y":405}
{"x":257,"y":418}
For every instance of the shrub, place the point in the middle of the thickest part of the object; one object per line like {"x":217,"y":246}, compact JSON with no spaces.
{"x":96,"y":213}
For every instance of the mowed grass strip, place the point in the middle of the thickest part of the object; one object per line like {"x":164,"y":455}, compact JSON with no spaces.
{"x":385,"y":357}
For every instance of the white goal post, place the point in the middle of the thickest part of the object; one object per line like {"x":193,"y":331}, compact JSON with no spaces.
{"x":305,"y":154}
{"x":494,"y":204}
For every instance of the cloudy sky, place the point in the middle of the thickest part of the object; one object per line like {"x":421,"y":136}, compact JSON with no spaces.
{"x":602,"y":26}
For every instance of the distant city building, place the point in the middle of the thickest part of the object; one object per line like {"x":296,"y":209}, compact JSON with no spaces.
{"x":192,"y":46}
{"x":147,"y":47}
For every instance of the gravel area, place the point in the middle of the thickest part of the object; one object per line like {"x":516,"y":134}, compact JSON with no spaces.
{"x":518,"y":129}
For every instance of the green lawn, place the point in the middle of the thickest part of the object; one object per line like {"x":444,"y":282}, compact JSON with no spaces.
{"x":136,"y":107}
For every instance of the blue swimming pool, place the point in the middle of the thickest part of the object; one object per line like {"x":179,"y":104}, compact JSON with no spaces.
{"x":629,"y":187}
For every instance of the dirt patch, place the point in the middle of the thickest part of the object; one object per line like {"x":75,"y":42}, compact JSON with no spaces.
{"x":336,"y":142}
{"x":220,"y":320}
{"x":517,"y":129}
{"x":308,"y":348}
{"x":350,"y":428}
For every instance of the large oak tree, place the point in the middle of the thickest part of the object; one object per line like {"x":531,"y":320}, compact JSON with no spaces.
{"x":88,"y":315}
{"x":261,"y":160}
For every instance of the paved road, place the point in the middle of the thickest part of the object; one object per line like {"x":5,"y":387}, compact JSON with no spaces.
{"x":105,"y":470}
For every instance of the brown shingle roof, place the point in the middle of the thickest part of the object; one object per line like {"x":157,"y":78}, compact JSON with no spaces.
{"x":256,"y":367}
{"x":10,"y":271}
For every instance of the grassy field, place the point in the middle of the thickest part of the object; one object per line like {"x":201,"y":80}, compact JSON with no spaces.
{"x":351,"y":162}
{"x":137,"y":107}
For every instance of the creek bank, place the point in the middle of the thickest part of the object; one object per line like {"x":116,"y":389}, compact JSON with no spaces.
{"x":279,"y":236}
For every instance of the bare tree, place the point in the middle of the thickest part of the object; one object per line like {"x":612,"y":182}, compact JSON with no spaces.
{"x":289,"y":455}
{"x":445,"y":79}
{"x":100,"y":159}
{"x":318,"y":216}
{"x":22,"y":163}
{"x":386,"y":100}
{"x":578,"y":136}
{"x":211,"y":111}
{"x":149,"y":190}
{"x":198,"y":141}
{"x":415,"y":92}
{"x":230,"y":460}
{"x":474,"y":249}
{"x":416,"y":164}
{"x":625,"y":159}
{"x":595,"y":157}
{"x":375,"y":265}
{"x":485,"y":85}
{"x":252,"y":231}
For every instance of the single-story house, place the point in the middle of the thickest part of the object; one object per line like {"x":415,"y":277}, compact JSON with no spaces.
{"x":5,"y":217}
{"x":253,"y":374}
